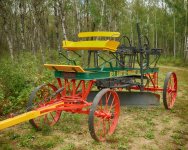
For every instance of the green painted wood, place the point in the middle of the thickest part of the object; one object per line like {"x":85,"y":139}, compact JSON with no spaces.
{"x":82,"y":76}
{"x":96,"y":73}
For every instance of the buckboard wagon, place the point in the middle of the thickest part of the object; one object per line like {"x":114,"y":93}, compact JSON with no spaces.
{"x":117,"y":70}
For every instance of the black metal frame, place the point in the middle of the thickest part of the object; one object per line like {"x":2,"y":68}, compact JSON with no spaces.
{"x":126,"y":56}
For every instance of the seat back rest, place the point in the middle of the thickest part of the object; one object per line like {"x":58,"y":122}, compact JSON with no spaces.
{"x":98,"y":34}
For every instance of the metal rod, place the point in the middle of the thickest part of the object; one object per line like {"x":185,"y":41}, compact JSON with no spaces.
{"x":141,"y":56}
{"x":89,"y":58}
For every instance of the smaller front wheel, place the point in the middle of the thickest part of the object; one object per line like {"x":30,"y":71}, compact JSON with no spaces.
{"x":41,"y":97}
{"x":170,"y":90}
{"x":104,"y":114}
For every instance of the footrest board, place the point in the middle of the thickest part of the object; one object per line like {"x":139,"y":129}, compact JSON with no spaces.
{"x":64,"y":68}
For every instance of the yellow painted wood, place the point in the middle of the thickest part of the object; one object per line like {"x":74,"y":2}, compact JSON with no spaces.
{"x":18,"y":119}
{"x":28,"y":115}
{"x":98,"y":34}
{"x":65,"y":68}
{"x":91,"y":45}
{"x":131,"y":72}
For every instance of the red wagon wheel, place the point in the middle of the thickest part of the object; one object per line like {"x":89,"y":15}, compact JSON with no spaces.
{"x":170,"y":90}
{"x":104,"y":114}
{"x":40,"y":97}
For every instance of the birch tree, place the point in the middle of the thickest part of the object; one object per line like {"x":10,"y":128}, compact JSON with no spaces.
{"x":186,"y":34}
{"x":56,"y":20}
{"x":22,"y":22}
{"x":6,"y":15}
{"x":62,"y":16}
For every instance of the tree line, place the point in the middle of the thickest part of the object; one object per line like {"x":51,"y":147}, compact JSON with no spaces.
{"x":39,"y":26}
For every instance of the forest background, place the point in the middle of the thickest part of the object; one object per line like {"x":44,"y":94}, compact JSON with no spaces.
{"x":31,"y":34}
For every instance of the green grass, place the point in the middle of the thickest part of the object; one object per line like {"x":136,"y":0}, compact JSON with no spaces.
{"x":171,"y":61}
{"x":149,"y":134}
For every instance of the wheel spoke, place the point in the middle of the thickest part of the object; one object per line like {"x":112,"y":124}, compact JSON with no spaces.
{"x":109,"y":97}
{"x":107,"y":100}
{"x":101,"y":105}
{"x":52,"y":116}
{"x":112,"y":105}
{"x":45,"y":119}
{"x":104,"y":128}
{"x":98,"y":125}
{"x":109,"y":123}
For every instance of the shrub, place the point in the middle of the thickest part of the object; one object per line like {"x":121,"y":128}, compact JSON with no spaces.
{"x":18,"y":79}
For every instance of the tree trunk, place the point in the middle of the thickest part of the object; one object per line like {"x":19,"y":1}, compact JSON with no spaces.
{"x":62,"y":16}
{"x":15,"y":26}
{"x":22,"y":12}
{"x":185,"y":34}
{"x":186,"y":50}
{"x":57,"y":26}
{"x":132,"y":33}
{"x":34,"y":31}
{"x":9,"y":41}
{"x":156,"y":34}
{"x":10,"y":45}
{"x":77,"y":15}
{"x":102,"y":15}
{"x":87,"y":15}
{"x":174,"y":36}
{"x":37,"y":33}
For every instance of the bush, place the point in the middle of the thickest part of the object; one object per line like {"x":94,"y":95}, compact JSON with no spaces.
{"x":13,"y":82}
{"x":18,"y":79}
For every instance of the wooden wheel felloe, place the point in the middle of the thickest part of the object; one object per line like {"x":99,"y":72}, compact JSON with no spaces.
{"x":104,"y":114}
{"x":170,"y":90}
{"x":41,"y":97}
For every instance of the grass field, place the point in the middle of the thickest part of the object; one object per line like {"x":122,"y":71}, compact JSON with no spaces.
{"x":150,"y":128}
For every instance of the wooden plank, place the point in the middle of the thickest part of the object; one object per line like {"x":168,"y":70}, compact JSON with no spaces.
{"x":18,"y":119}
{"x":91,"y":45}
{"x":29,"y":115}
{"x":98,"y":34}
{"x":65,"y":68}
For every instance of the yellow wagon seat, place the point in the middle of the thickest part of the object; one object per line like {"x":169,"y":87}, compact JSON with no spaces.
{"x":110,"y":45}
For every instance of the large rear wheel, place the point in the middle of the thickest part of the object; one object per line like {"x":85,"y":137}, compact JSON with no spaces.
{"x":104,"y":114}
{"x":170,"y":90}
{"x":40,"y":97}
